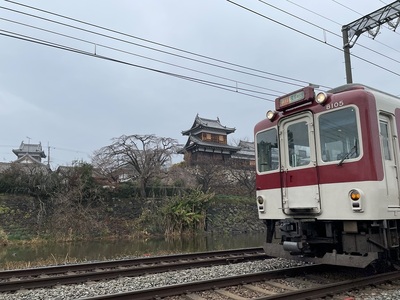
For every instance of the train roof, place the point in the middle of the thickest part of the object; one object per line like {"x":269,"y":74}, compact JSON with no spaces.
{"x":358,"y":86}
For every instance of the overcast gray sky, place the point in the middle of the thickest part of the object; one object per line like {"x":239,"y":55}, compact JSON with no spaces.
{"x":129,"y":80}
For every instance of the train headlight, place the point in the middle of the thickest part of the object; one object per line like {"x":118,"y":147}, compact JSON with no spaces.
{"x":321,"y":98}
{"x":356,"y":197}
{"x":261,"y":203}
{"x":271,"y":114}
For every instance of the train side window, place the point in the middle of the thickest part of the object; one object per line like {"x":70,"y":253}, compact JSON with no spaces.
{"x":267,"y":150}
{"x":338,"y":132}
{"x":384,"y":128}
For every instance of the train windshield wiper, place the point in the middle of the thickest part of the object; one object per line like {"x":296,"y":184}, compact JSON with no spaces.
{"x":350,"y":153}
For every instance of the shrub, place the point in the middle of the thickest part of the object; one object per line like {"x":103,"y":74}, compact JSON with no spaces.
{"x":186,"y":212}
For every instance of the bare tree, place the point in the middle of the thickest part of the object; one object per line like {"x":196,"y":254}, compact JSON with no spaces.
{"x":78,"y":204}
{"x":106,"y":166}
{"x":140,"y":157}
{"x":243,"y":174}
{"x":207,"y":171}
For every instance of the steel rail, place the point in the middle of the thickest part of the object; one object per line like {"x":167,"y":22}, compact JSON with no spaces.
{"x":179,"y":289}
{"x":164,"y":263}
{"x":335,"y":288}
{"x":80,"y":267}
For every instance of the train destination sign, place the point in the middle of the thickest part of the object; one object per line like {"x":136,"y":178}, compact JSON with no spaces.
{"x":293,"y":99}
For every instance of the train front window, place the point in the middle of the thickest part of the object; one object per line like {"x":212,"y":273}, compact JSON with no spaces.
{"x":299,"y":144}
{"x":338,"y":133}
{"x":267,"y":150}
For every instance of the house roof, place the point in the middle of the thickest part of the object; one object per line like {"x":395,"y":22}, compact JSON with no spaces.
{"x":26,"y":161}
{"x":208,"y":125}
{"x":27,"y":158}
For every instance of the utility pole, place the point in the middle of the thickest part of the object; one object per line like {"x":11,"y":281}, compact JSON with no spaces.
{"x":48,"y":155}
{"x":370,"y":23}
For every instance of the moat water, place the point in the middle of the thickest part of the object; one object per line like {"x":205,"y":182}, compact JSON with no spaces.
{"x":58,"y":253}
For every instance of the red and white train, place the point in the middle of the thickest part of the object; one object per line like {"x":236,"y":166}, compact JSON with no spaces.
{"x":328,"y":176}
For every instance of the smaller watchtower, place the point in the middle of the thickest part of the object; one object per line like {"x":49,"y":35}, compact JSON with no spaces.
{"x":35,"y":151}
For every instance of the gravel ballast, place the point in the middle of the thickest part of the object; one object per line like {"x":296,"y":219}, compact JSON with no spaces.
{"x":127,"y":284}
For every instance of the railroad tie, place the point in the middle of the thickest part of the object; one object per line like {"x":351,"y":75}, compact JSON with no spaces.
{"x":230,"y":295}
{"x":194,"y":297}
{"x":259,"y":290}
{"x":281,"y":286}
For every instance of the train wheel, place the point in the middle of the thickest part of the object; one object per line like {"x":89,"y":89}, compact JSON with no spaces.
{"x":381,"y":266}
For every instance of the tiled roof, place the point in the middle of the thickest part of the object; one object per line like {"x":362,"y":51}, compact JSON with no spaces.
{"x":26,"y":161}
{"x":33,"y":149}
{"x":194,"y":142}
{"x":29,"y":159}
{"x":247,"y":150}
{"x":246,"y":145}
{"x":209,"y":124}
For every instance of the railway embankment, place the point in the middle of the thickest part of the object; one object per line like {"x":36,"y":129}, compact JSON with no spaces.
{"x":23,"y":217}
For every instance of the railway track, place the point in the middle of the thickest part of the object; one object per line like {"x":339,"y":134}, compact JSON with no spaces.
{"x":304,"y":282}
{"x":189,"y":289}
{"x":77,"y":273}
{"x":224,"y":287}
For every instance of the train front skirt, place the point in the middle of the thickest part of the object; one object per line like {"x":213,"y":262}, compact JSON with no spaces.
{"x":357,"y":261}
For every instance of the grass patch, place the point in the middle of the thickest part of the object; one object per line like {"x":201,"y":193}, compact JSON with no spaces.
{"x":51,"y":261}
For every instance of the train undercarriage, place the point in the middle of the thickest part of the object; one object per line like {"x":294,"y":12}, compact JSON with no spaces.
{"x":347,"y":243}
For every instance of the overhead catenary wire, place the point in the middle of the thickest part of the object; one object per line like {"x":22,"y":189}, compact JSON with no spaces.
{"x":331,"y":32}
{"x":231,"y":88}
{"x":131,"y":53}
{"x":97,"y":45}
{"x":337,"y":23}
{"x":312,"y":37}
{"x":282,"y":78}
{"x":181,"y":50}
{"x":327,"y":30}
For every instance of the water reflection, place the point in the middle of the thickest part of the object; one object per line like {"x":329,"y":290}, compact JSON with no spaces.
{"x":101,"y":250}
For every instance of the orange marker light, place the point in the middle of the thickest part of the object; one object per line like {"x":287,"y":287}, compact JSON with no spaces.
{"x":355,"y":195}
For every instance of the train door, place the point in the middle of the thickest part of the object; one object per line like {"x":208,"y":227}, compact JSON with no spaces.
{"x":300,"y":191}
{"x":390,"y":160}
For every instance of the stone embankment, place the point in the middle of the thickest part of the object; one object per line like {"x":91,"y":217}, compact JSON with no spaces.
{"x":22,"y":217}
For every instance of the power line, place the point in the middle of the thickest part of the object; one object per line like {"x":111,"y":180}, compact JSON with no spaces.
{"x":68,"y":150}
{"x":230,"y":88}
{"x":145,"y":57}
{"x":155,"y":43}
{"x":192,"y":53}
{"x":311,"y":37}
{"x":331,"y":32}
{"x":346,"y":7}
{"x":175,"y":65}
{"x":131,"y":53}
